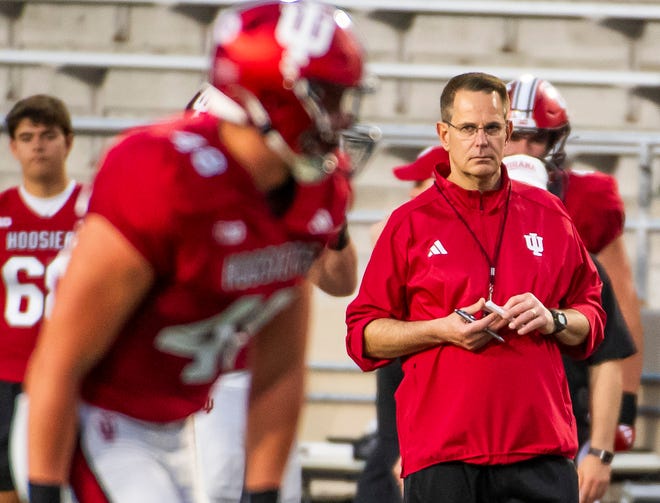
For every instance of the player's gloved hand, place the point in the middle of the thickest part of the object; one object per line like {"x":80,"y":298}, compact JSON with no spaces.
{"x":625,"y":430}
{"x":624,"y":438}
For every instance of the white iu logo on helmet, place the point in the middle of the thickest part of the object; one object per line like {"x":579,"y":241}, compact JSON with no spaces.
{"x":305,"y":31}
{"x":534,"y":243}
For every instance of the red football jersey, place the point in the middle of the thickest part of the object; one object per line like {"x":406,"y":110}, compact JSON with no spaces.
{"x":224,"y":262}
{"x":30,"y":271}
{"x":593,"y":202}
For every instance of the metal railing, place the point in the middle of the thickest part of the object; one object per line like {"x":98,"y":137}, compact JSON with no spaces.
{"x":85,"y":60}
{"x":502,"y":8}
{"x":648,"y":379}
{"x":645,"y":145}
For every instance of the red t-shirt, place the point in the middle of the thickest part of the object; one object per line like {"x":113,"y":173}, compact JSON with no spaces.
{"x":223,"y":261}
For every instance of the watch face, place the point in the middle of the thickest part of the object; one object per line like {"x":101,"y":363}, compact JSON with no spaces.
{"x":561,"y":317}
{"x":560,"y":320}
{"x":605,"y":456}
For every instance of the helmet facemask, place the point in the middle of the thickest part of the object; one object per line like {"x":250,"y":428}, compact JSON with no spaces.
{"x":554,"y":139}
{"x":358,"y":143}
{"x":331,"y":112}
{"x":557,"y":153}
{"x":537,"y":109}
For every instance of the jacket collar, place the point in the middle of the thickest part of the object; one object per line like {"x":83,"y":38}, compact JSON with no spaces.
{"x":488,"y":201}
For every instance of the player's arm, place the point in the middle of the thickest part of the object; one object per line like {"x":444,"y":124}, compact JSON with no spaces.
{"x":105,"y":280}
{"x":605,"y":385}
{"x":277,"y":363}
{"x":335,"y":271}
{"x":617,"y":265}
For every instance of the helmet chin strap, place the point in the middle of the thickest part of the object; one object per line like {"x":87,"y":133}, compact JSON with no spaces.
{"x":305,"y":169}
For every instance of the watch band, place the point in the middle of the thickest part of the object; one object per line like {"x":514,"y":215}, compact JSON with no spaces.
{"x":560,"y":321}
{"x":605,"y":457}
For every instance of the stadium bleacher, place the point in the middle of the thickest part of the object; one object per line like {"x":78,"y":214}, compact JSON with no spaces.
{"x":116,"y":67}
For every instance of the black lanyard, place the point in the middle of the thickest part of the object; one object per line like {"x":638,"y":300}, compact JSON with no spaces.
{"x":492,"y":263}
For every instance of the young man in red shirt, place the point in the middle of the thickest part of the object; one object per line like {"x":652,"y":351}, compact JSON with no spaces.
{"x":37,"y":222}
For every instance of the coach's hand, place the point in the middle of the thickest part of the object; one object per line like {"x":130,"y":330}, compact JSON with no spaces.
{"x":594,"y":478}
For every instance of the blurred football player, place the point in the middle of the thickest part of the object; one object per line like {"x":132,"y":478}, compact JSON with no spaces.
{"x":191,"y":262}
{"x":540,"y":129}
{"x":37,"y":219}
{"x":220,"y":427}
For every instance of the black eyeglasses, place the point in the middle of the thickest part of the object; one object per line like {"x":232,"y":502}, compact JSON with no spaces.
{"x":468,"y":130}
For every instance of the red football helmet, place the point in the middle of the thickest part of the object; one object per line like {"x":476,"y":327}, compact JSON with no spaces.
{"x":537,"y":106}
{"x":295,"y":67}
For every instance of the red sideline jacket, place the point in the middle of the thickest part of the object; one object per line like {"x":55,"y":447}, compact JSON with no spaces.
{"x":506,"y":402}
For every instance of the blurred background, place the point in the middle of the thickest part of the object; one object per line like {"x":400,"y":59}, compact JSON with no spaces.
{"x":117,"y":63}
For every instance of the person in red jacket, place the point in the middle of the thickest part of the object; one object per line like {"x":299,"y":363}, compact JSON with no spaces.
{"x":540,"y":129}
{"x":483,"y":410}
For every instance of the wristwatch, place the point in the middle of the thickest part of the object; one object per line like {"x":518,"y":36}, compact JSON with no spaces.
{"x":560,"y":321}
{"x":605,"y":457}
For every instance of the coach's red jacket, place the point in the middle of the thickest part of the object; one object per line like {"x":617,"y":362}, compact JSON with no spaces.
{"x":506,"y":402}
